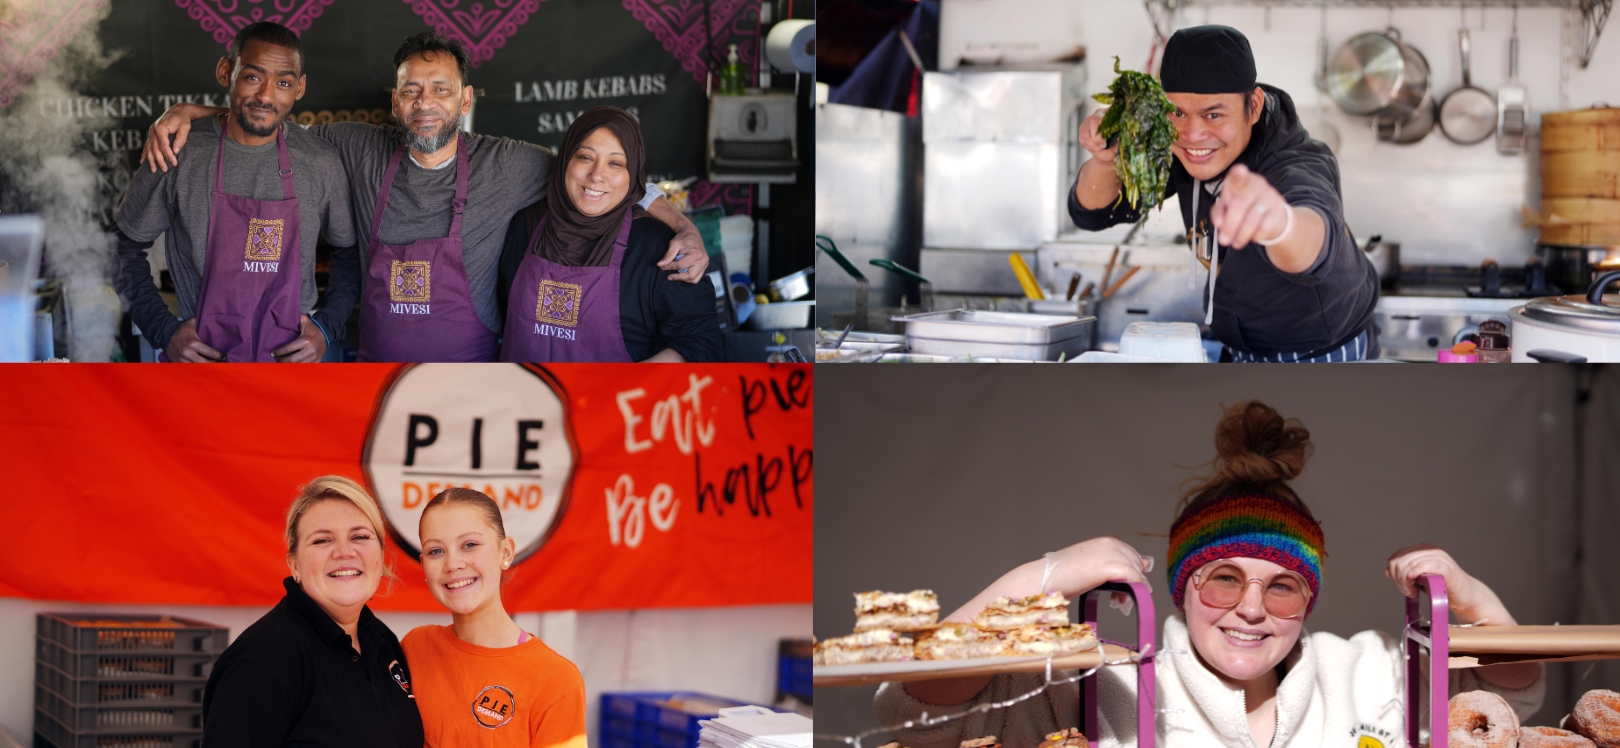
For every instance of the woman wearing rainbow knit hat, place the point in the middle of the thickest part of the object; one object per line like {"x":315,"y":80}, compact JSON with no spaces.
{"x":1236,"y":665}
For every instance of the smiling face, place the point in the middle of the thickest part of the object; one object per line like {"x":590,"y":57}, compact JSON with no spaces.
{"x":1246,"y":641}
{"x":598,"y":176}
{"x":1212,"y":130}
{"x":463,"y":556}
{"x":339,"y":558}
{"x":430,"y":100}
{"x":264,"y":83}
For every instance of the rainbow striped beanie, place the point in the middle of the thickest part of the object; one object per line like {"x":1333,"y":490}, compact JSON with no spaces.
{"x":1246,"y":526}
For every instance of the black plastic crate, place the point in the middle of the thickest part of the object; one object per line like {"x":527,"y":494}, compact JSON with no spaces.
{"x":119,"y":691}
{"x":139,"y":718}
{"x":91,"y":632}
{"x":125,"y":665}
{"x":57,"y":735}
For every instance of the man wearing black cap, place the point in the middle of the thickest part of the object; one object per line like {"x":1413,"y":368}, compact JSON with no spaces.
{"x":1249,"y":179}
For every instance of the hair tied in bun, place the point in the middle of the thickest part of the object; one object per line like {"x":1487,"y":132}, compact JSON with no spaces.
{"x":1256,"y":451}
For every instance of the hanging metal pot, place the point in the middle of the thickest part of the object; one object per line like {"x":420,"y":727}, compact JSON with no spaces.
{"x":1375,"y":75}
{"x":1414,"y":127}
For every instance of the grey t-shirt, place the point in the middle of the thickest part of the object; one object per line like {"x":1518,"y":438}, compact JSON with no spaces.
{"x":503,"y":177}
{"x":177,"y":201}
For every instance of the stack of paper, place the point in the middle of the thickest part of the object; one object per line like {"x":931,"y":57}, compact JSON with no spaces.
{"x":755,"y":727}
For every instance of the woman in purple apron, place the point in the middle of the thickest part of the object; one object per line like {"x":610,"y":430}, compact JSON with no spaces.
{"x":581,"y":289}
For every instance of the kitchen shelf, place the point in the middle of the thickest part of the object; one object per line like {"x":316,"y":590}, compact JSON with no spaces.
{"x":1142,"y":651}
{"x":1594,"y":13}
{"x":912,"y":670}
{"x":1455,"y":647}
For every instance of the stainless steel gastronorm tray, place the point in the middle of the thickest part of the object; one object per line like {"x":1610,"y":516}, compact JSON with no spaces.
{"x":974,"y":325}
{"x":854,"y":352}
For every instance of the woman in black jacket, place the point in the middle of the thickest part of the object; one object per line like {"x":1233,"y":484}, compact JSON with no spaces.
{"x":319,"y":669}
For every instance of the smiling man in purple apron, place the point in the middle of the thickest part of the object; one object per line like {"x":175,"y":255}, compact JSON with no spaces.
{"x":1262,"y":204}
{"x":242,"y":219}
{"x":435,"y":204}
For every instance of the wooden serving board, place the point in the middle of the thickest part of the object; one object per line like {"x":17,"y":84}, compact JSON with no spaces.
{"x":1497,"y":645}
{"x":879,"y":672}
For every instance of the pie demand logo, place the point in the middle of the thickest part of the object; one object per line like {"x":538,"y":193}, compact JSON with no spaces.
{"x":410,"y":286}
{"x":558,"y":303}
{"x":502,"y":429}
{"x":263,"y":253}
{"x":494,"y":706}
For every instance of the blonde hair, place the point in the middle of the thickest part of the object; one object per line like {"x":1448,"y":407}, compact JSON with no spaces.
{"x":337,"y":487}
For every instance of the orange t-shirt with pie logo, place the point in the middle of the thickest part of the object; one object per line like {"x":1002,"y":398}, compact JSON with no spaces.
{"x":469,"y":695}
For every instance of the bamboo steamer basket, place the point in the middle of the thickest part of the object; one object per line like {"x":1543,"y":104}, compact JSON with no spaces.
{"x":1580,"y":177}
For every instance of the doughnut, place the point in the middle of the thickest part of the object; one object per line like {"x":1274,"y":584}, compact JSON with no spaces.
{"x":1551,"y":737}
{"x":1597,"y":716}
{"x":1481,"y":719}
{"x":1070,"y":738}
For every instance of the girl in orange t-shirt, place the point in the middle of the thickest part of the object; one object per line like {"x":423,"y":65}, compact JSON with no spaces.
{"x":482,"y":680}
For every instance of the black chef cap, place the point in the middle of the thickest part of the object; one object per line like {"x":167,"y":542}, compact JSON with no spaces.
{"x":1207,"y":60}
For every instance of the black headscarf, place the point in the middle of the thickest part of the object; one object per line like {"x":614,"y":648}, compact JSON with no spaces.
{"x":571,"y":237}
{"x":1207,"y":60}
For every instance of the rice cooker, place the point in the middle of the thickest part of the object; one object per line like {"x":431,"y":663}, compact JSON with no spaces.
{"x":1569,"y":328}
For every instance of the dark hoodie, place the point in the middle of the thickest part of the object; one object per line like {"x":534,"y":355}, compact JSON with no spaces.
{"x":1258,"y":308}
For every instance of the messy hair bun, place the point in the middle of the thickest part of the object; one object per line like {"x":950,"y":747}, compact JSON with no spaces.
{"x":1256,"y":451}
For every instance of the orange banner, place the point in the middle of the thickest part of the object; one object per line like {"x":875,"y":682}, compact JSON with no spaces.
{"x":624,"y":486}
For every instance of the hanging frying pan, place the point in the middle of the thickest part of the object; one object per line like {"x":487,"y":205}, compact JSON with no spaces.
{"x":1468,"y":114}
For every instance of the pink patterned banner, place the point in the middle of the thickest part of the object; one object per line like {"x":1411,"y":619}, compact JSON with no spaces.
{"x":223,"y":18}
{"x":701,"y":43}
{"x":481,"y":28}
{"x":33,"y":33}
{"x":737,"y":199}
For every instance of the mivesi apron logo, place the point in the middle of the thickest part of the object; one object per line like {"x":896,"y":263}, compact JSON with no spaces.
{"x":496,"y":428}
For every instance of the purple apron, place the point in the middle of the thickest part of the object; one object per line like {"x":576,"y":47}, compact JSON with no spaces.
{"x":248,"y":306}
{"x":418,"y":306}
{"x":562,"y":313}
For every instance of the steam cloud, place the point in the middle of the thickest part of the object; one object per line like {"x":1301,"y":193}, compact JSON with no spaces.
{"x":54,"y":174}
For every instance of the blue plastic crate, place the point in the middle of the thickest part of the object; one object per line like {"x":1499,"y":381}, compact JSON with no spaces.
{"x":660,"y":719}
{"x":794,"y":676}
{"x":613,"y":739}
{"x":677,"y":739}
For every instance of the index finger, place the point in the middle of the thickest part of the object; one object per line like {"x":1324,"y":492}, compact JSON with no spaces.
{"x":290,"y":348}
{"x":203,"y":350}
{"x":168,"y":150}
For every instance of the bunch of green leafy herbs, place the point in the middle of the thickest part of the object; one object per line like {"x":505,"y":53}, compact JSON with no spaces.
{"x":1139,"y":115}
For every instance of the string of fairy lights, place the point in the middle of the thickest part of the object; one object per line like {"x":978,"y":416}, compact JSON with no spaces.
{"x":928,"y":720}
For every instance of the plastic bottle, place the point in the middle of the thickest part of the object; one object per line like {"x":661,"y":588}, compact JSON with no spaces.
{"x":732,"y":81}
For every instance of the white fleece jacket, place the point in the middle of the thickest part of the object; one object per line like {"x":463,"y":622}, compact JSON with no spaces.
{"x":1336,"y":693}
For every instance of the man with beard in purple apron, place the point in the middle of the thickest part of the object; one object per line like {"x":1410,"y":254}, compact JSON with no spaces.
{"x":242,"y":218}
{"x":434,"y":205}
{"x":577,"y":276}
